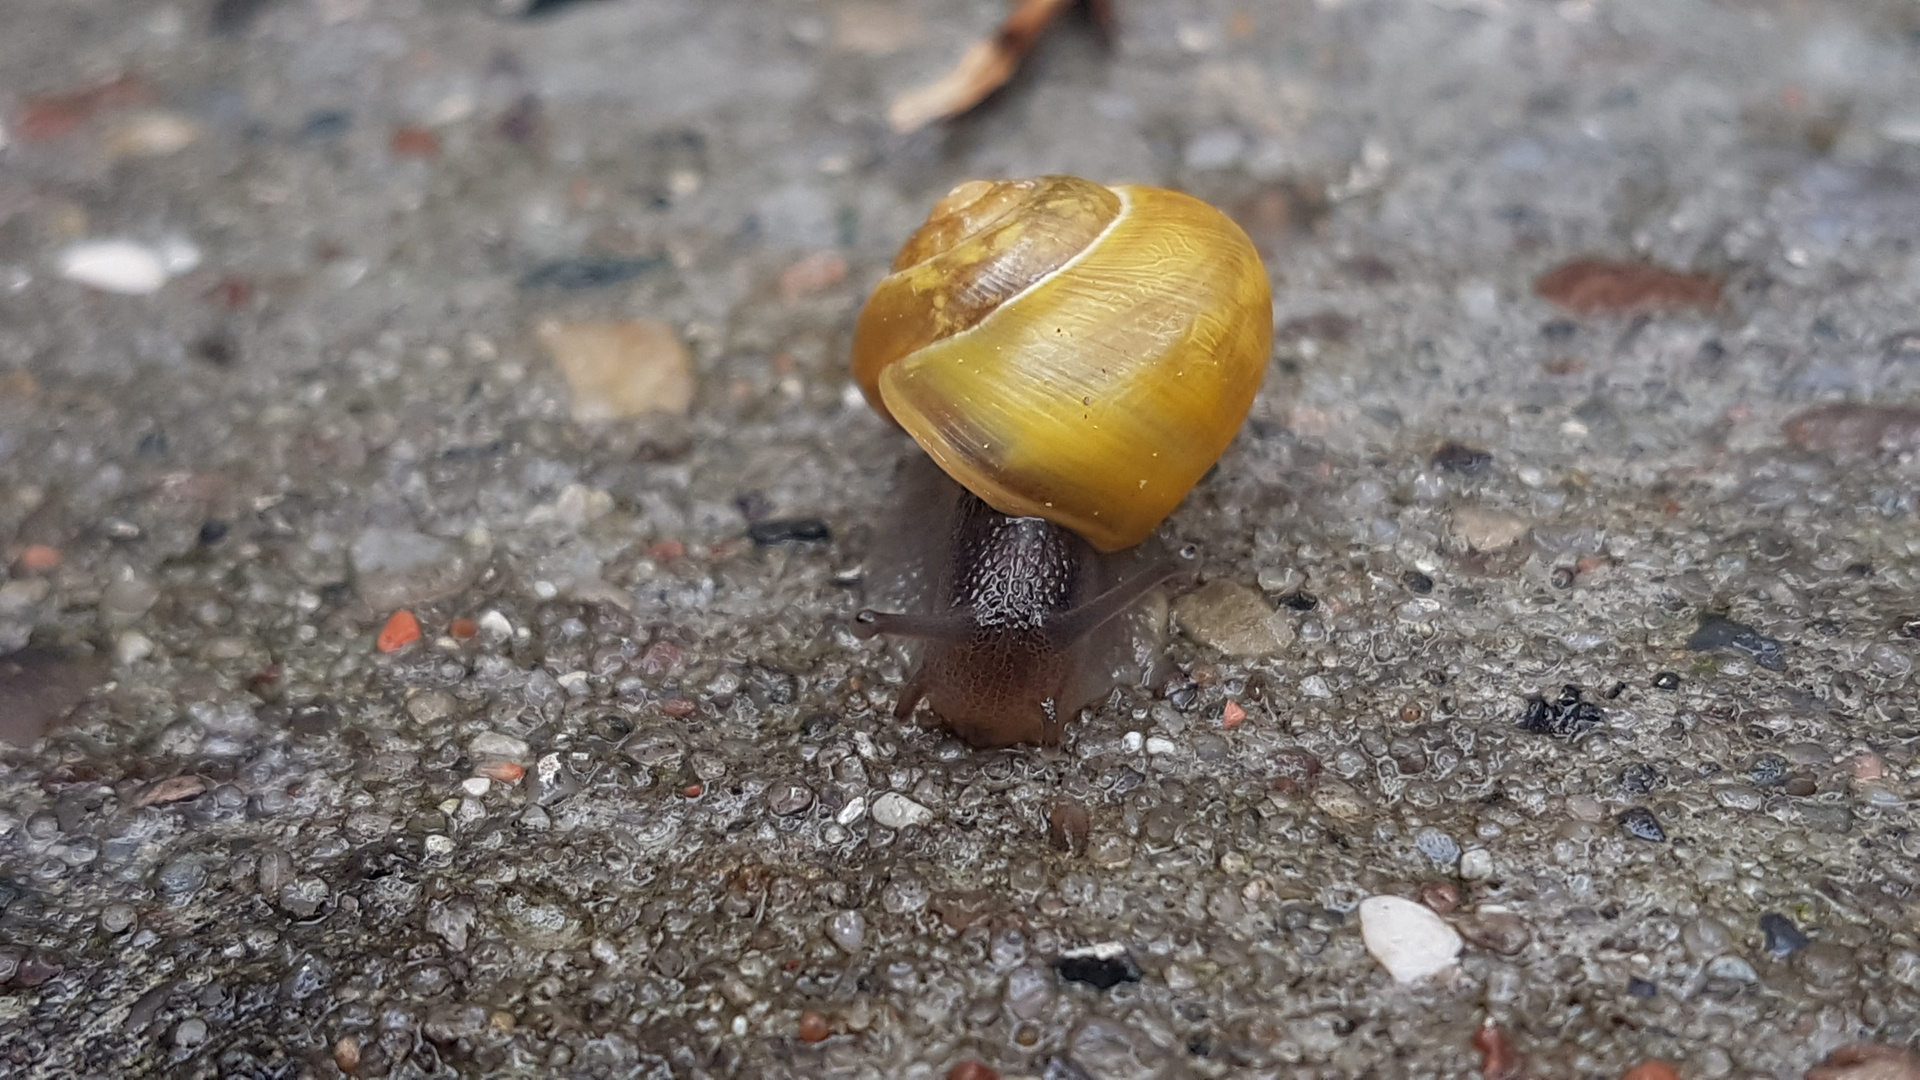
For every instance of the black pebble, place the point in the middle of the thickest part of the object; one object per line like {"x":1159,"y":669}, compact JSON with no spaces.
{"x":326,"y":124}
{"x":789,"y":531}
{"x":753,"y":506}
{"x":589,"y":272}
{"x":1558,"y":329}
{"x":1769,"y":769}
{"x":1417,"y":582}
{"x":212,"y":531}
{"x":217,"y":349}
{"x":1461,"y":458}
{"x":1783,"y":938}
{"x":1667,"y":680}
{"x":1640,"y":778}
{"x":1562,"y":719}
{"x":1641,"y":988}
{"x":1639,"y":821}
{"x":1718,"y":632}
{"x":1101,"y":974}
{"x":1300,"y":601}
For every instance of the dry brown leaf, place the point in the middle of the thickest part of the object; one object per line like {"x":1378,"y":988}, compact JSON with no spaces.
{"x":985,"y":67}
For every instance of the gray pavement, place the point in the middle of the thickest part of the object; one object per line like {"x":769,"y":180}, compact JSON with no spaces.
{"x":1573,"y":640}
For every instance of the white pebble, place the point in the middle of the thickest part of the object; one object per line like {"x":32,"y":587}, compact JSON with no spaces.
{"x":1476,"y":864}
{"x":1408,"y":939}
{"x":855,"y":809}
{"x":116,"y":266}
{"x":896,"y":811}
{"x":1159,"y":745}
{"x":132,"y":647}
{"x":476,"y":786}
{"x":1132,"y":741}
{"x":494,"y":628}
{"x":439,"y":844}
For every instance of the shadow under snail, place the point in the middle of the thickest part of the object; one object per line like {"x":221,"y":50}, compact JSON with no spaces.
{"x":1076,"y":357}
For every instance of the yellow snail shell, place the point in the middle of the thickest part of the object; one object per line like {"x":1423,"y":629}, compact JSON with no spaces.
{"x":1070,"y":351}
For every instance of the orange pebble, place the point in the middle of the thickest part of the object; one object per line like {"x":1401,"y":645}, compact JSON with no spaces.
{"x":1651,"y":1070}
{"x":462,"y":628}
{"x":972,"y":1070}
{"x":666,"y":549}
{"x":414,"y":142}
{"x":813,"y":1027}
{"x":506,"y":772}
{"x":402,"y":630}
{"x":40,"y":558}
{"x":693,"y":791}
{"x":1232,"y":715}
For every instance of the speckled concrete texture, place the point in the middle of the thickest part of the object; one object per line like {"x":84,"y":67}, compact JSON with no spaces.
{"x":1592,"y":621}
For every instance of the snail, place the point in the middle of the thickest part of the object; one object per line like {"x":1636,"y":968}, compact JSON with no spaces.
{"x":1075,"y":357}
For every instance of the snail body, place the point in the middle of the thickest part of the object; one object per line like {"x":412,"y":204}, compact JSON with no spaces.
{"x":1076,"y":357}
{"x":1027,"y":622}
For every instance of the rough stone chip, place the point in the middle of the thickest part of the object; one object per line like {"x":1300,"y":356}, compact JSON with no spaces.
{"x":1408,"y":939}
{"x":1487,"y":530}
{"x":1232,"y":618}
{"x":896,"y":811}
{"x":396,"y":568}
{"x":618,"y":370}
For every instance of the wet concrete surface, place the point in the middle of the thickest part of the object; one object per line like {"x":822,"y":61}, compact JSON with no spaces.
{"x":1594,"y":611}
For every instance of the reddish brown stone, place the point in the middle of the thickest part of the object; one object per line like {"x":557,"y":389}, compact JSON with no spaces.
{"x":1498,"y":1059}
{"x":1866,"y":1061}
{"x":414,"y":142}
{"x":1850,"y":430}
{"x":1593,"y":286}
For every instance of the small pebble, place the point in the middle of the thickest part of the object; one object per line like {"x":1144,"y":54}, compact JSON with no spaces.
{"x":1463,"y":459}
{"x":151,"y":134}
{"x":1783,"y":938}
{"x":1476,"y":864}
{"x":402,"y":629}
{"x":1068,"y":826}
{"x":398,"y":568}
{"x":1564,"y":718}
{"x":1639,"y":822}
{"x":789,"y":531}
{"x":848,"y":930}
{"x":589,"y":272}
{"x":619,"y":370}
{"x":1597,"y":286}
{"x":813,"y":1027}
{"x":1867,"y":1061}
{"x":1853,"y":430}
{"x":1103,"y":966}
{"x":1825,"y":963}
{"x":788,"y":797}
{"x":1718,"y":632}
{"x":1651,"y":1070}
{"x":812,"y":274}
{"x":1232,"y":618}
{"x":1706,"y":937}
{"x":1500,"y":932}
{"x":1732,"y":968}
{"x":896,"y":811}
{"x":492,"y":745}
{"x":1486,"y":530}
{"x":1407,"y":938}
{"x":1341,"y":799}
{"x":126,"y":266}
